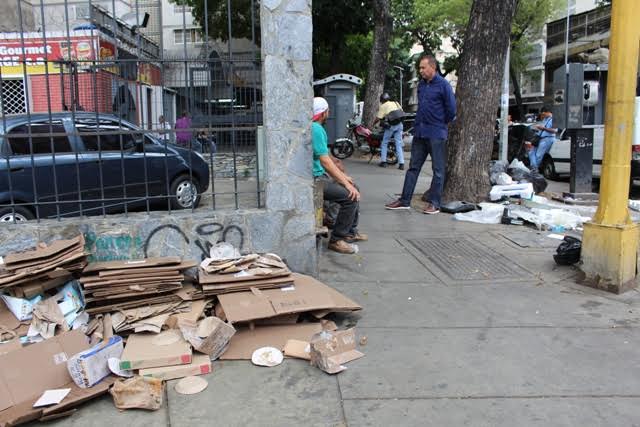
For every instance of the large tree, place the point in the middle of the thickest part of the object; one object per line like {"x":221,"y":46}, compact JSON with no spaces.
{"x":478,"y":94}
{"x":379,"y":59}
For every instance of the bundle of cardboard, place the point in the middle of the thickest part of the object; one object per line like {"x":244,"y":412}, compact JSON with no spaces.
{"x":29,"y":273}
{"x":121,"y":285}
{"x":240,"y":273}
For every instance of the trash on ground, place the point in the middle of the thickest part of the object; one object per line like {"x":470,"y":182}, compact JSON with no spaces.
{"x":200,"y":365}
{"x":556,"y":236}
{"x":330,"y":350}
{"x":267,"y":356}
{"x":458,"y":207}
{"x":191,"y":385}
{"x":142,"y":351}
{"x":114,"y":367}
{"x":52,"y":397}
{"x":210,"y":336}
{"x":138,"y":392}
{"x":91,"y":366}
{"x":568,"y":252}
{"x":489,"y":213}
{"x":298,"y":349}
{"x":523,"y":191}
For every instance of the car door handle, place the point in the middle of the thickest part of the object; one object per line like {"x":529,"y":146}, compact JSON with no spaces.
{"x":16,"y":169}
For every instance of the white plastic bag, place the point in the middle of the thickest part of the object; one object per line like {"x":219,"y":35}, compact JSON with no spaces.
{"x":489,"y":213}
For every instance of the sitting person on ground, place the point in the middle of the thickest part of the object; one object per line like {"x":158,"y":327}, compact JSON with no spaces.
{"x":338,"y":187}
{"x":390,"y":114}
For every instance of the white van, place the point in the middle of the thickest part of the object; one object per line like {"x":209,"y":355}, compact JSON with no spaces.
{"x":558,"y":161}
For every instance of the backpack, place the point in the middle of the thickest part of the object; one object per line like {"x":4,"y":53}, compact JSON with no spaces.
{"x":395,"y":117}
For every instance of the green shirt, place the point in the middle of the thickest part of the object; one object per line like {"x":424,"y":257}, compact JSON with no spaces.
{"x":319,"y":142}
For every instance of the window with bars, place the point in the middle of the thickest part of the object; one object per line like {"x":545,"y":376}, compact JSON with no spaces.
{"x":13,"y":99}
{"x":190,"y":35}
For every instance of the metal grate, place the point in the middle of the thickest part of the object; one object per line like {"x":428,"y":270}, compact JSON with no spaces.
{"x":13,"y":99}
{"x":461,"y":259}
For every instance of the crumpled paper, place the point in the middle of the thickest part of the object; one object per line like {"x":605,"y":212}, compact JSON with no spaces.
{"x":138,"y":392}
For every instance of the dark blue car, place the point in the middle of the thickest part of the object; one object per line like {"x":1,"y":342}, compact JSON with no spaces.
{"x":88,"y":164}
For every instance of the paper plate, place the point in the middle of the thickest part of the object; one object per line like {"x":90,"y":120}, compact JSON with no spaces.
{"x":114,"y":366}
{"x":167,"y":337}
{"x":191,"y":385}
{"x":267,"y":356}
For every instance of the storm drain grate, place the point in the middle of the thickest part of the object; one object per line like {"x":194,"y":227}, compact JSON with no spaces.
{"x":464,"y":260}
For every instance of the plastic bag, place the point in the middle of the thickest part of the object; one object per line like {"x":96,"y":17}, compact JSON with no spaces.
{"x":558,"y":218}
{"x":538,"y":181}
{"x":568,"y":252}
{"x":517,"y":164}
{"x":497,"y":168}
{"x":489,"y":213}
{"x":458,"y":207}
{"x":504,"y":179}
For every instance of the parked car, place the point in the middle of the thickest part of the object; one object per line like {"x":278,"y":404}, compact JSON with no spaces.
{"x":81,"y":164}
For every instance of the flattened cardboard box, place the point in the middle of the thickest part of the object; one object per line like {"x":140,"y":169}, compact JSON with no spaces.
{"x":306,"y":294}
{"x":246,"y":341}
{"x":331,"y":349}
{"x":29,"y":371}
{"x":142,"y":352}
{"x":123,"y":265}
{"x":200,"y":365}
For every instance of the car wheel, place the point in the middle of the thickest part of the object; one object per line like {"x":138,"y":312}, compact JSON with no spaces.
{"x":548,"y":169}
{"x":184,"y":192}
{"x":17,"y":214}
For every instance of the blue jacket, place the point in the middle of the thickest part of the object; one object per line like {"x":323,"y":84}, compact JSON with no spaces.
{"x":436,"y":108}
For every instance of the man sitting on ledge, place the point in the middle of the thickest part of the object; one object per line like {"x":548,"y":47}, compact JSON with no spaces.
{"x":338,"y":187}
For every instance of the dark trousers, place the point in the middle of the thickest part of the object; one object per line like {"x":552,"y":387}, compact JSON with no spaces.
{"x":421,"y":148}
{"x":346,"y":219}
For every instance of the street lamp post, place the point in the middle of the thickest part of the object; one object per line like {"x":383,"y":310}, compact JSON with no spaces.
{"x":401,"y":81}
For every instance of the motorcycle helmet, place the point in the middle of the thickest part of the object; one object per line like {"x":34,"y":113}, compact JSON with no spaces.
{"x":385,"y":97}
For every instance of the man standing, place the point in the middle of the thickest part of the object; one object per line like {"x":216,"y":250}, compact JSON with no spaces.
{"x":547,"y":136}
{"x":436,"y":109}
{"x":338,"y":187}
{"x":394,"y":129}
{"x":164,"y":130}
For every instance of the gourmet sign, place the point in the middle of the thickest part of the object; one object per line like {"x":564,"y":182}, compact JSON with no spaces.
{"x":34,"y":53}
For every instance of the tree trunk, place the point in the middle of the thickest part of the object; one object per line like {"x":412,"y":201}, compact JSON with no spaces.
{"x":516,"y":92}
{"x":378,"y":64}
{"x":478,"y":98}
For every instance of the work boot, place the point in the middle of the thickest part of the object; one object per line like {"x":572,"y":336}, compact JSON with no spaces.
{"x":341,"y":246}
{"x":401,"y":166}
{"x":395,"y":205}
{"x":429,"y":209}
{"x":383,"y":164}
{"x":358,"y":237}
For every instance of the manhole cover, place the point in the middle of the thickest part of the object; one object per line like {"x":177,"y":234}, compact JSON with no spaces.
{"x":463,"y":260}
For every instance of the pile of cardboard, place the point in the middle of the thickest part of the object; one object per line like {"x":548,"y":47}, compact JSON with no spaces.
{"x":241,"y":273}
{"x":122,"y":285}
{"x":37,"y":270}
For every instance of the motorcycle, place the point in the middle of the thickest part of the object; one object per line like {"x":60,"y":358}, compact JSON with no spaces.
{"x":365,"y":140}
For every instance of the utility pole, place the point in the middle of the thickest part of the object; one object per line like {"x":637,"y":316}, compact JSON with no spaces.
{"x":504,"y":110}
{"x":610,"y":242}
{"x":401,"y":82}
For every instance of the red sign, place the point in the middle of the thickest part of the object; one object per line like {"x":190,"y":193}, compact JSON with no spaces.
{"x":34,"y":52}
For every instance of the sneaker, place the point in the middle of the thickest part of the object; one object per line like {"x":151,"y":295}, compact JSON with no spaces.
{"x":396,"y":205}
{"x":383,"y":164}
{"x":401,"y":166}
{"x":358,"y":237}
{"x":342,"y":247}
{"x":429,"y":209}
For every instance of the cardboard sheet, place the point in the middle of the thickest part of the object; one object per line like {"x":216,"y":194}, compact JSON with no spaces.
{"x":200,"y":365}
{"x":306,"y":294}
{"x":125,"y":265}
{"x":142,"y":351}
{"x":26,"y":373}
{"x":331,"y":349}
{"x":246,"y":340}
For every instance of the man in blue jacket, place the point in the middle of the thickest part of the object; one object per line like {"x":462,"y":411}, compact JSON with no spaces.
{"x":436,"y":109}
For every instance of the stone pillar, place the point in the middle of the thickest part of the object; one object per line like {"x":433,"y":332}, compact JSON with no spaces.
{"x":286,"y":27}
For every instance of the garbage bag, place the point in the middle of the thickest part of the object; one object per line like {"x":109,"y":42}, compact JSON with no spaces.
{"x":458,"y":207}
{"x":497,"y":168}
{"x":517,"y":164}
{"x":568,"y":252}
{"x":518,"y":175}
{"x":538,"y":181}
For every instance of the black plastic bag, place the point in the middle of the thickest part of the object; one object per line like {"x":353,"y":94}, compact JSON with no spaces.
{"x":535,"y":178}
{"x":458,"y":207}
{"x":568,"y":252}
{"x":496,"y":169}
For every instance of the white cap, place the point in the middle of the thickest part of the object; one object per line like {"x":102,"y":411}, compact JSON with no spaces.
{"x":320,"y":105}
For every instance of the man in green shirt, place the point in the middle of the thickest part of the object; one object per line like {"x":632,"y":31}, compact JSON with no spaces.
{"x":338,"y":187}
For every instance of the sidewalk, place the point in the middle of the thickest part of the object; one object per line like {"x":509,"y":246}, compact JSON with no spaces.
{"x":465,"y":327}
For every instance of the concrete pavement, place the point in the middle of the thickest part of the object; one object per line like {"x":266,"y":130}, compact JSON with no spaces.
{"x":488,"y":331}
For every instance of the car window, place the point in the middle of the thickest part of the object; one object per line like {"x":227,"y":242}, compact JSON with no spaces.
{"x":46,"y":138}
{"x":105,"y":135}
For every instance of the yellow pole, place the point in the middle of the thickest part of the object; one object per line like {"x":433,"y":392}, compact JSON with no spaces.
{"x":610,"y":242}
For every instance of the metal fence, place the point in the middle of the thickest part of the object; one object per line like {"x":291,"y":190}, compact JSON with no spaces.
{"x":115,"y":106}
